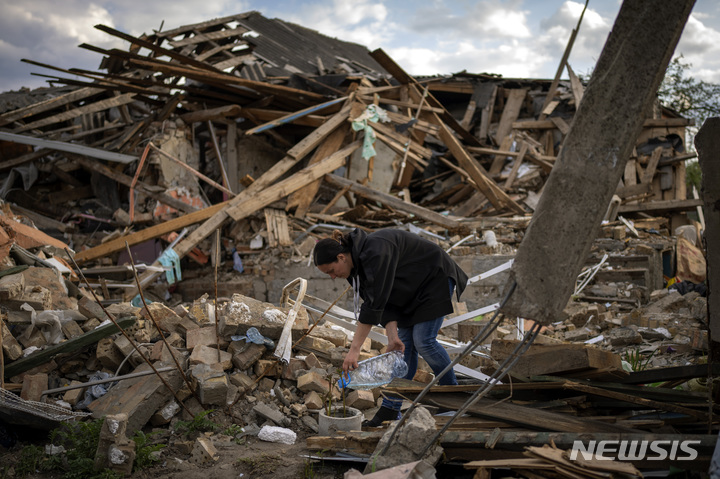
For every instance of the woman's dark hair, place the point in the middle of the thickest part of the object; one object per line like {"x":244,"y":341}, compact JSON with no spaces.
{"x":327,"y":250}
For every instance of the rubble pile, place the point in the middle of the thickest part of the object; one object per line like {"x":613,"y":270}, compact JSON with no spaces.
{"x":232,"y":145}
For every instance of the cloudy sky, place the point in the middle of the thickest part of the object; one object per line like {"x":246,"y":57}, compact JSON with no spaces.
{"x":514,"y":38}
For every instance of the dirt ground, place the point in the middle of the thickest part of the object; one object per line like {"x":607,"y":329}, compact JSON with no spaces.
{"x":237,"y":457}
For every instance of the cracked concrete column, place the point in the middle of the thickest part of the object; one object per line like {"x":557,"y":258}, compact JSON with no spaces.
{"x":592,"y":160}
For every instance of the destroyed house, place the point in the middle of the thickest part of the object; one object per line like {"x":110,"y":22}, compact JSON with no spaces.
{"x":181,"y":188}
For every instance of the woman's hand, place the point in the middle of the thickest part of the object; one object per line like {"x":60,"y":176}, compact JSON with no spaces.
{"x":394,"y":342}
{"x":351,"y":362}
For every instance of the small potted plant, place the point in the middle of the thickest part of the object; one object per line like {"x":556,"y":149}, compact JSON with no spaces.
{"x":336,"y":418}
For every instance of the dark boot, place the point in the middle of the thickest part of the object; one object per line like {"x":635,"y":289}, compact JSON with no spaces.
{"x":383,"y":414}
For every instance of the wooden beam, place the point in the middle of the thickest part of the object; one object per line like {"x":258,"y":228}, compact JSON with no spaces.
{"x":393,"y":202}
{"x":47,"y":105}
{"x":400,"y":75}
{"x":499,"y":199}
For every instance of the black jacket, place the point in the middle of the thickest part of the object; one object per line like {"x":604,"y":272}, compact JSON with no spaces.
{"x":403,"y":277}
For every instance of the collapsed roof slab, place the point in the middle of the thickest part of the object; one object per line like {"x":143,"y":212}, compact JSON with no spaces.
{"x":591,"y":163}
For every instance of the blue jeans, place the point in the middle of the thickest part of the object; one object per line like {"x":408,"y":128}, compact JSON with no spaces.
{"x":422,"y":339}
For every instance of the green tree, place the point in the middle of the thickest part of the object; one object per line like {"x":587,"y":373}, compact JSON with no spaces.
{"x":695,"y":99}
{"x":691,"y":98}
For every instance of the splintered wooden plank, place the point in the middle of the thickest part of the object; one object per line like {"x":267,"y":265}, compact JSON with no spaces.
{"x":288,"y":118}
{"x":393,"y":202}
{"x":650,"y":169}
{"x":277,"y":227}
{"x":156,"y":49}
{"x":304,"y":196}
{"x":554,"y":359}
{"x":79,"y":111}
{"x":533,"y":418}
{"x":248,"y":201}
{"x":151,"y":232}
{"x":46,"y":105}
{"x":578,"y":90}
{"x":200,"y":26}
{"x":212,"y":114}
{"x":396,"y":71}
{"x":300,"y":96}
{"x":210,"y":36}
{"x":499,"y":199}
{"x":516,"y":166}
{"x":510,"y":113}
{"x":645,"y":403}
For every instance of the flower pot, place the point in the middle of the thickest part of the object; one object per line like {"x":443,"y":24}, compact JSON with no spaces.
{"x":335,"y":422}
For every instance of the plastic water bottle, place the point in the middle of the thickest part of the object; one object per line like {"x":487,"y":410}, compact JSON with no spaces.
{"x":375,"y":372}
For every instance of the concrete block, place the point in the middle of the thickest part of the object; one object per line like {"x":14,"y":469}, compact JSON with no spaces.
{"x":312,"y":361}
{"x":165,"y":414}
{"x":267,"y":412}
{"x":361,"y":399}
{"x":53,"y":282}
{"x":244,"y":382}
{"x":209,"y":356}
{"x":248,"y":355}
{"x":204,"y":452}
{"x":90,"y":309}
{"x":11,"y":286}
{"x":312,"y":381}
{"x":338,"y":338}
{"x":169,"y":320}
{"x":265,"y":385}
{"x":19,"y":318}
{"x":313,"y":400}
{"x":318,"y":344}
{"x":138,"y":397}
{"x":10,"y":346}
{"x":33,"y":386}
{"x":298,"y":409}
{"x":160,"y":352}
{"x":90,"y":324}
{"x":72,"y":329}
{"x":115,"y":451}
{"x":205,"y":336}
{"x":210,"y":384}
{"x":32,"y":337}
{"x":108,"y":355}
{"x":247,"y":312}
{"x":37,"y":297}
{"x":73,"y":396}
{"x":289,"y":371}
{"x":267,"y":368}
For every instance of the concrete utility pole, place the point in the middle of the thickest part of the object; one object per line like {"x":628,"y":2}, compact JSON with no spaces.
{"x":593,"y":156}
{"x":707,"y":144}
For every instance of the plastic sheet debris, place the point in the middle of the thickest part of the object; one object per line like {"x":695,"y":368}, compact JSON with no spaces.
{"x":96,"y":391}
{"x":254,"y":336}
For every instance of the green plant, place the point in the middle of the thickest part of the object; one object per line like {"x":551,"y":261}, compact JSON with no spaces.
{"x":328,"y":396}
{"x":308,"y":469}
{"x":144,"y":450}
{"x":235,"y":431}
{"x":199,"y":423}
{"x":636,"y":359}
{"x":76,"y":443}
{"x":29,"y":462}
